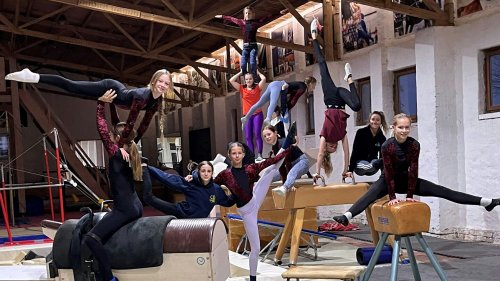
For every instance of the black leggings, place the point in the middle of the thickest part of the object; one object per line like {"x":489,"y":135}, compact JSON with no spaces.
{"x":424,"y":188}
{"x":338,"y":95}
{"x":85,"y":89}
{"x":167,"y":208}
{"x":105,"y":228}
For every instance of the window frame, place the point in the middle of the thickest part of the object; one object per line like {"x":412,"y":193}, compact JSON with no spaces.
{"x":359,"y":114}
{"x":397,"y":105}
{"x":309,"y":107}
{"x":489,"y":108}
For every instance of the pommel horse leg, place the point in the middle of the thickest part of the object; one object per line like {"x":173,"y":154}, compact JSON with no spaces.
{"x":293,"y":225}
{"x":403,"y":220}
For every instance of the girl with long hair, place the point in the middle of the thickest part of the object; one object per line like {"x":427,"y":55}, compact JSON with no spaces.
{"x":400,"y":175}
{"x":135,"y":100}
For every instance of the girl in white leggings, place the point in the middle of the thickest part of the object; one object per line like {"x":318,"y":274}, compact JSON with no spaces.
{"x":249,"y":191}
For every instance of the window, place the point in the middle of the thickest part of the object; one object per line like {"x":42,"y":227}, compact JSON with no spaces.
{"x":94,"y":149}
{"x":492,"y":79}
{"x":310,"y":114}
{"x":365,"y":97}
{"x":405,"y":92}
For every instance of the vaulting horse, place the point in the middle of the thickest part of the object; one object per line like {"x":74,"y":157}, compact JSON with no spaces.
{"x":150,"y":248}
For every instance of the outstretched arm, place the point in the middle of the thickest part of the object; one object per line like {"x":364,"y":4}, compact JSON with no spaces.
{"x":173,"y":182}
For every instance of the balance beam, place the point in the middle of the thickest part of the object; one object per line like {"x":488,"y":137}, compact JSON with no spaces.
{"x":313,"y":196}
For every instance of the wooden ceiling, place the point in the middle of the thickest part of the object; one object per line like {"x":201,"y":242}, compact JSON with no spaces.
{"x":129,"y":40}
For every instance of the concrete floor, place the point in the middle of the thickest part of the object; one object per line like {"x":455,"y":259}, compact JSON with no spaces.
{"x":460,"y":260}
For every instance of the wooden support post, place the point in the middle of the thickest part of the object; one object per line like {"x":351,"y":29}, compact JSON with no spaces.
{"x":337,"y":31}
{"x":16,"y":137}
{"x":328,"y":29}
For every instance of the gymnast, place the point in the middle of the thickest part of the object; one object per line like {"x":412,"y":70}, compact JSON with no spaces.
{"x":250,"y":94}
{"x":136,"y":99}
{"x":335,"y":98}
{"x":400,"y":175}
{"x":249,"y":190}
{"x":122,"y":173}
{"x":365,"y":156}
{"x":201,"y":193}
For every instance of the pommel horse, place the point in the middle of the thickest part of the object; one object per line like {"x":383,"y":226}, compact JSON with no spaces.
{"x":308,"y":195}
{"x":403,"y":220}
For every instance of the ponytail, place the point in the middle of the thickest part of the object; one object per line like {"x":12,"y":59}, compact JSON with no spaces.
{"x":135,"y":161}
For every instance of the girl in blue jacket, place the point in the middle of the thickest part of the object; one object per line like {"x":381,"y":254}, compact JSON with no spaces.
{"x":202,"y":194}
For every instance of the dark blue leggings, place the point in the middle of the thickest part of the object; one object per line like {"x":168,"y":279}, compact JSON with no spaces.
{"x":105,"y":228}
{"x":86,"y":89}
{"x":424,"y":188}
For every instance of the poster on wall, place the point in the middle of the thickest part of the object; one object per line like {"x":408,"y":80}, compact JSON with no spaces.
{"x":359,"y":26}
{"x":467,"y":7}
{"x":404,"y":24}
{"x":283,"y":58}
{"x":310,"y":59}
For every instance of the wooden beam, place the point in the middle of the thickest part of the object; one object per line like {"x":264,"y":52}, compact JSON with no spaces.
{"x":328,"y":27}
{"x":137,"y":14}
{"x":337,"y":31}
{"x":195,"y":88}
{"x":195,"y":52}
{"x":235,"y":46}
{"x":191,"y":11}
{"x":202,"y":74}
{"x":58,"y":11}
{"x":431,"y":4}
{"x":123,"y":31}
{"x":103,"y":58}
{"x":111,"y":48}
{"x":138,"y":66}
{"x":6,"y":21}
{"x":34,"y":44}
{"x":160,"y":35}
{"x":299,"y":18}
{"x":151,"y":35}
{"x":403,"y":9}
{"x":174,"y":10}
{"x":176,"y":42}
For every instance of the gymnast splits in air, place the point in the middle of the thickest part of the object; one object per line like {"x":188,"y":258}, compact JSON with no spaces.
{"x":400,"y":175}
{"x":335,"y":98}
{"x":135,"y":100}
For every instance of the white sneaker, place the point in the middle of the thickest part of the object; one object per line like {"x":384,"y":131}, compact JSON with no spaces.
{"x":280,"y":190}
{"x":259,"y":159}
{"x":243,"y":122}
{"x":266,"y":122}
{"x":314,"y":26}
{"x":218,"y":159}
{"x":24,"y":75}
{"x":348,"y":71}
